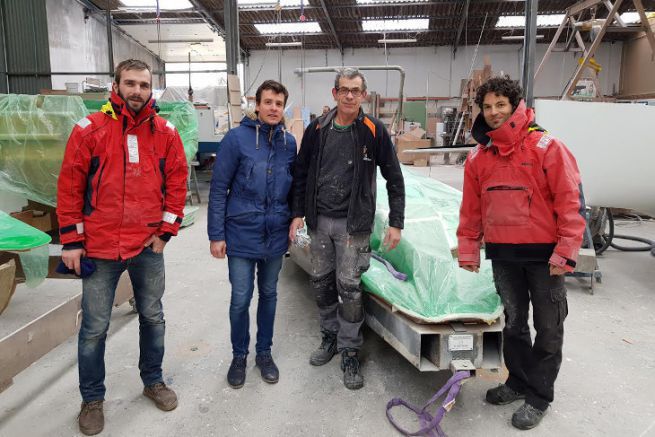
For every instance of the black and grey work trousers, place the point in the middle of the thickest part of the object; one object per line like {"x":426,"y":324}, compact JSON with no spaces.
{"x":338,"y":261}
{"x":533,"y":366}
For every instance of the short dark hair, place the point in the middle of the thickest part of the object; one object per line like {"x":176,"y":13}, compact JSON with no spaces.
{"x":501,"y":86}
{"x":274,"y":86}
{"x":131,"y":64}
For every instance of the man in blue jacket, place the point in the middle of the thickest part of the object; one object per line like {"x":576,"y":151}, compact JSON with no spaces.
{"x":248,"y":219}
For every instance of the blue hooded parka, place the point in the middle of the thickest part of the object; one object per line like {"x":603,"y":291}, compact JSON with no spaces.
{"x":249,"y":194}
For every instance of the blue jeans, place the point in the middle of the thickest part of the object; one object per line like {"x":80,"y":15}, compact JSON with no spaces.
{"x":146,"y":272}
{"x":242,"y":278}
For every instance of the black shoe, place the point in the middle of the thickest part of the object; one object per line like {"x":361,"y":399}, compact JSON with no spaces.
{"x":503,"y":395}
{"x":326,"y":350}
{"x":527,"y":417}
{"x":267,"y":366}
{"x":236,"y":376}
{"x":352,"y":376}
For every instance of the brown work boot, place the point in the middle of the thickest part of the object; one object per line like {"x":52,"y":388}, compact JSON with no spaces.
{"x":164,"y":397}
{"x":91,"y":419}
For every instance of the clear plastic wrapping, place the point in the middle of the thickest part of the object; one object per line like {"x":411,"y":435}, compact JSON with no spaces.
{"x":436,"y":289}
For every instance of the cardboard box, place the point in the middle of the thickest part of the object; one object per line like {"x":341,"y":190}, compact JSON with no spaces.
{"x":404,"y":143}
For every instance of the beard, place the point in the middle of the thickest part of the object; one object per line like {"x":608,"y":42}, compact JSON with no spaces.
{"x":129,"y":103}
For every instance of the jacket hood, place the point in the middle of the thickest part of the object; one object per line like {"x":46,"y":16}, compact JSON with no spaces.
{"x":509,"y":134}
{"x":251,"y":119}
{"x":118,"y":106}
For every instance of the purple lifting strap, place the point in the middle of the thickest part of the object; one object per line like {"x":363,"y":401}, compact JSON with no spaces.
{"x":430,"y":425}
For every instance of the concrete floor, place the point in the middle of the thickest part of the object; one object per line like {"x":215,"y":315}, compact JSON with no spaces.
{"x":605,"y":388}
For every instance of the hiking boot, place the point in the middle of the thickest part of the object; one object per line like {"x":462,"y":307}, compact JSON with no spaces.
{"x":164,"y":397}
{"x":352,"y":376}
{"x":503,"y":395}
{"x":267,"y":366}
{"x":527,"y":417}
{"x":326,"y":350}
{"x":236,"y":376}
{"x":91,"y":419}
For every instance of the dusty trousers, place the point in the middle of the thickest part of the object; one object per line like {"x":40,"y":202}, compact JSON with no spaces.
{"x":533,"y":367}
{"x":338,"y":261}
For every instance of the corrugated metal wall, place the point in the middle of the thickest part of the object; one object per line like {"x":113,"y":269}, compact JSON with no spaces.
{"x":26,"y":44}
{"x":3,"y":65}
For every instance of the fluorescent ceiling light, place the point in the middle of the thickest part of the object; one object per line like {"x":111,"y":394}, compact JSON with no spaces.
{"x":163,"y":4}
{"x":519,"y":20}
{"x":281,"y":28}
{"x":633,"y":17}
{"x":284,"y":44}
{"x":388,"y":25}
{"x":517,"y":37}
{"x":396,"y":41}
{"x":368,"y":2}
{"x":269,"y":3}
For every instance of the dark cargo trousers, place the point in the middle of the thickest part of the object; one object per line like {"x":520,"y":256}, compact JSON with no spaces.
{"x":533,"y":367}
{"x":338,"y":261}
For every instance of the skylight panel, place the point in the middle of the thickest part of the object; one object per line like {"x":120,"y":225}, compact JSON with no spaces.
{"x":282,"y":28}
{"x":163,"y":4}
{"x":519,"y":20}
{"x":391,"y":25}
{"x":269,"y":3}
{"x":632,"y":17}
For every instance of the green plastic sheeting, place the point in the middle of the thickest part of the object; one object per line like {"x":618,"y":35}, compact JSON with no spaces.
{"x":183,"y":116}
{"x":31,"y":245}
{"x":34,"y":131}
{"x":436,"y":290}
{"x":33,"y":135}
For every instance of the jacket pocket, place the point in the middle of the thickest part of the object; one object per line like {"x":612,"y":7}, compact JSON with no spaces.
{"x":507,"y":205}
{"x":558,"y":297}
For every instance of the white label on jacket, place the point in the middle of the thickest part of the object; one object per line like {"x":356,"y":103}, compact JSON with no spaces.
{"x":133,"y":149}
{"x":79,"y":227}
{"x":544,"y":141}
{"x":169,"y":217}
{"x":84,"y":122}
{"x":170,"y":125}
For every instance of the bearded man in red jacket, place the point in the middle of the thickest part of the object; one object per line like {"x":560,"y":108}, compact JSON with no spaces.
{"x":523,"y":199}
{"x":120,"y":198}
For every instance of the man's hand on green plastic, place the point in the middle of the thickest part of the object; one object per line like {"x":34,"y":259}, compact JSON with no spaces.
{"x":474,"y":268}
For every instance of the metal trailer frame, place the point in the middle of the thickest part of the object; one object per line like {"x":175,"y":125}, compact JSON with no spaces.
{"x":455,"y":345}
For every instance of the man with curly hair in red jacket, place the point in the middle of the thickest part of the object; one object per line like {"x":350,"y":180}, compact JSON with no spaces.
{"x":523,"y":199}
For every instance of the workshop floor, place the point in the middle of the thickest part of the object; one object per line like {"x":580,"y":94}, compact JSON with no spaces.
{"x":605,"y":387}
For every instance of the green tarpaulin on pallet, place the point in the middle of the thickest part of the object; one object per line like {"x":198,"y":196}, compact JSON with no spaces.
{"x":436,"y":289}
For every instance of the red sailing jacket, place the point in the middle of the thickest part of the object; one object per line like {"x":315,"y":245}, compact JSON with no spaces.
{"x":522,"y":196}
{"x":122,"y":180}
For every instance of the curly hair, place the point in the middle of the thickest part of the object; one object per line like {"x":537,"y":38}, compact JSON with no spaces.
{"x":501,"y":86}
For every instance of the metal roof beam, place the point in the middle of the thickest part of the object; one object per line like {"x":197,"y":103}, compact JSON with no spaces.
{"x":329,"y":20}
{"x":465,"y":14}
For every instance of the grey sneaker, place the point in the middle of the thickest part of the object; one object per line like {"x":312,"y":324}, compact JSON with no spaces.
{"x":326,"y":350}
{"x":503,"y":395}
{"x":527,"y":417}
{"x":352,"y":375}
{"x":91,"y":419}
{"x":162,"y":396}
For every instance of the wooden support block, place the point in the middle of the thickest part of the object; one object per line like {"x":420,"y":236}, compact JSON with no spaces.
{"x":7,"y":283}
{"x":421,"y":162}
